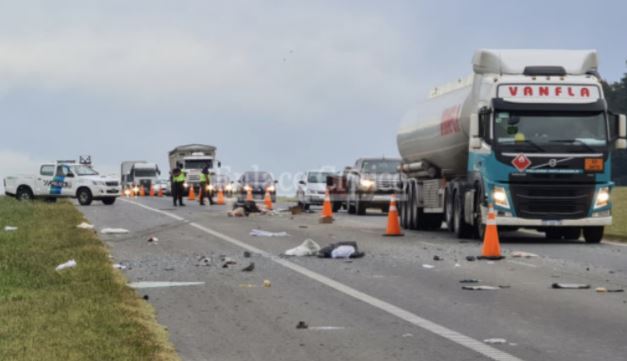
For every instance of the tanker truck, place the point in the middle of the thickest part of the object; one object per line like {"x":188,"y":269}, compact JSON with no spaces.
{"x":528,"y":133}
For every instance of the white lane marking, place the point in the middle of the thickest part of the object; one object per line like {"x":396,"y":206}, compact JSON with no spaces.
{"x":523,"y":263}
{"x":454,"y":336}
{"x":326,"y":328}
{"x":147,"y":284}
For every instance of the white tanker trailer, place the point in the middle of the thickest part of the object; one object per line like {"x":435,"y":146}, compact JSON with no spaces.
{"x":528,"y":132}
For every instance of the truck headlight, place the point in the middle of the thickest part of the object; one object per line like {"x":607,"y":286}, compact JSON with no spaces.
{"x":228,"y":188}
{"x":185,"y":185}
{"x":210,"y":188}
{"x":136,"y":189}
{"x":271,"y":189}
{"x":603,"y":198}
{"x":499,"y":195}
{"x":366,"y":184}
{"x":248,"y":188}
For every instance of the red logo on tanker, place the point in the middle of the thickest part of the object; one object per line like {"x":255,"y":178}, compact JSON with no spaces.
{"x":550,"y":91}
{"x":521,"y":162}
{"x":450,"y":121}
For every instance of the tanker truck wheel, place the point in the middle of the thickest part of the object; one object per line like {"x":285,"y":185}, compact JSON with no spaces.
{"x":448,"y":210}
{"x":593,"y":234}
{"x":462,"y":229}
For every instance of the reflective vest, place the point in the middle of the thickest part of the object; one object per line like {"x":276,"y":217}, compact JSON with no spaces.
{"x":180,"y":178}
{"x":203,"y":178}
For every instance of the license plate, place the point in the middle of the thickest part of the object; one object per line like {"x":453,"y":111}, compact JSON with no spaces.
{"x":551,"y":223}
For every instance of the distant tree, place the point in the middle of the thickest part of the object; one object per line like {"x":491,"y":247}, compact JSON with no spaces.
{"x":616,"y":96}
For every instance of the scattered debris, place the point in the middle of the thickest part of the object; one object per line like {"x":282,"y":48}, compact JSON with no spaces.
{"x":237,"y":212}
{"x":85,"y":225}
{"x":437,"y":258}
{"x":260,"y":233}
{"x":10,"y":229}
{"x":119,"y":266}
{"x":153,"y":239}
{"x":408,"y":335}
{"x":204,"y":261}
{"x":480,"y":288}
{"x":606,"y":290}
{"x":495,"y":341}
{"x":327,"y":252}
{"x":247,"y":254}
{"x":295,"y":210}
{"x":114,"y":231}
{"x":69,"y":264}
{"x":146,"y":297}
{"x":302,"y":325}
{"x":522,"y":254}
{"x":505,"y":286}
{"x":471,"y":258}
{"x":228,"y":262}
{"x":457,"y":265}
{"x":308,"y":248}
{"x":267,"y":283}
{"x":249,"y":268}
{"x":570,"y":286}
{"x":343,"y":252}
{"x":428,"y":266}
{"x":469,"y":280}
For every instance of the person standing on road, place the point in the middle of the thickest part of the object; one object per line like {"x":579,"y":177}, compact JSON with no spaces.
{"x":178,"y":179}
{"x":205,"y":182}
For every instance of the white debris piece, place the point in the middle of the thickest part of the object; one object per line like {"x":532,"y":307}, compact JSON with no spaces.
{"x":114,"y":231}
{"x":10,"y":229}
{"x":260,"y":233}
{"x":522,"y":254}
{"x":343,"y":252}
{"x":85,"y":225}
{"x":119,"y":266}
{"x":428,"y":266}
{"x":307,"y":248}
{"x":480,"y":288}
{"x":69,"y":264}
{"x":495,"y":340}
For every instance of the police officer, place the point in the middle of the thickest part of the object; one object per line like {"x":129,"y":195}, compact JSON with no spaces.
{"x":205,"y":182}
{"x":178,"y":179}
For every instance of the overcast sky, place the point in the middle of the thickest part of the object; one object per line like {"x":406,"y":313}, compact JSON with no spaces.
{"x":284,"y":85}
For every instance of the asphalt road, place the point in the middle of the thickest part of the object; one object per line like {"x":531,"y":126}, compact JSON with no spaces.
{"x":385,"y":306}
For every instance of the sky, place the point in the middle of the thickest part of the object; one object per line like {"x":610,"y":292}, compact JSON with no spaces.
{"x":282,"y":86}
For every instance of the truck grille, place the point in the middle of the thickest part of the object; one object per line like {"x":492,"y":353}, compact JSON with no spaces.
{"x":193,"y":178}
{"x":542,"y":201}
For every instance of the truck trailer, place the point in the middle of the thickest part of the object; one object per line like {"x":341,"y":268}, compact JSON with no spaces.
{"x":528,"y":133}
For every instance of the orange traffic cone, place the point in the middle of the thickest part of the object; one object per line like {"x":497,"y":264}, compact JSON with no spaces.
{"x":152,"y":192}
{"x":220,"y":200}
{"x":267,"y":201}
{"x":249,"y":195}
{"x":142,"y":191}
{"x":191,"y":196}
{"x":327,"y":211}
{"x":491,"y":246}
{"x":394,"y":227}
{"x":160,"y":194}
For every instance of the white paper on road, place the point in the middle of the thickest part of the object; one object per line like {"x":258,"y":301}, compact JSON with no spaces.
{"x":69,"y":264}
{"x":114,"y":231}
{"x":523,"y":254}
{"x":85,"y":225}
{"x":343,"y":252}
{"x":307,"y":248}
{"x":428,"y":266}
{"x":260,"y":233}
{"x":157,"y":284}
{"x":10,"y":229}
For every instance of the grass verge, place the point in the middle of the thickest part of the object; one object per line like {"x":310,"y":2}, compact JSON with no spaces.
{"x":618,"y":229}
{"x":85,"y":313}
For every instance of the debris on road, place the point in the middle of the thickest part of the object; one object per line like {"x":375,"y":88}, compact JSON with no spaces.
{"x":308,"y":248}
{"x":204,"y":261}
{"x":405,"y":335}
{"x":119,"y":266}
{"x":10,"y":229}
{"x":327,"y":252}
{"x":302,"y":325}
{"x":237,"y":212}
{"x":249,"y":268}
{"x":495,"y":341}
{"x":146,"y":297}
{"x":609,"y":290}
{"x":267,"y":283}
{"x":437,"y":258}
{"x":471,"y":258}
{"x":260,"y":233}
{"x":296,"y":210}
{"x":153,"y":239}
{"x":570,"y":286}
{"x":69,"y":264}
{"x":247,"y":254}
{"x":85,"y":225}
{"x":228,"y":262}
{"x":522,"y":254}
{"x":480,"y":288}
{"x":343,"y":252}
{"x":428,"y":266}
{"x":114,"y":231}
{"x":469,"y":280}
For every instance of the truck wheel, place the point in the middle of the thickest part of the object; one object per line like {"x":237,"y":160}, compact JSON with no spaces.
{"x":449,"y":210}
{"x":431,"y":222}
{"x":24,"y":193}
{"x":593,"y":234}
{"x":84,"y":196}
{"x":462,"y":229}
{"x":108,"y":201}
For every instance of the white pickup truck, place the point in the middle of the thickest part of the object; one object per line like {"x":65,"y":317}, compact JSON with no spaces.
{"x":64,"y":180}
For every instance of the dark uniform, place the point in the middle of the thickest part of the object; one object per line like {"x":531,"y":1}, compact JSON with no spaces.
{"x":177,"y":179}
{"x":205,"y":182}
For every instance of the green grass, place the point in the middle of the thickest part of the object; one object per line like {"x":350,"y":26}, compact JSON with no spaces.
{"x":618,"y":229}
{"x":85,"y":313}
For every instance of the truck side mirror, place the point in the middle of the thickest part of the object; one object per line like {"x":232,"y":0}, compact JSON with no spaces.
{"x":219,"y":164}
{"x":621,"y":142}
{"x":301,"y":182}
{"x":475,"y":140}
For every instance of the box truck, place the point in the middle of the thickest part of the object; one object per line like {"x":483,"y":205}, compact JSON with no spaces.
{"x":192,"y":158}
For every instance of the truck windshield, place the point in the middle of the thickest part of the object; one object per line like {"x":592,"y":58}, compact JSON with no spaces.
{"x":257,"y":177}
{"x":198,"y":163}
{"x":145,"y":173}
{"x":380,"y":166}
{"x":588,"y":129}
{"x":84,"y":170}
{"x":318,"y":177}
